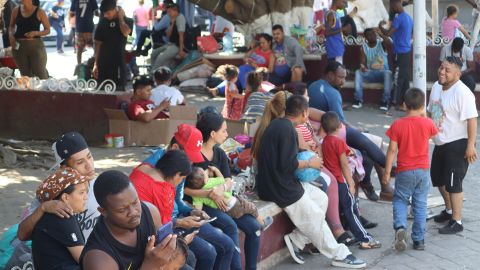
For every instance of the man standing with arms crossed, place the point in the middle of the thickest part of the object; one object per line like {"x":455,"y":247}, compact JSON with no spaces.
{"x":453,"y":110}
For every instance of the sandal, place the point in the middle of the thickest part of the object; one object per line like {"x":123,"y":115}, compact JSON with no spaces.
{"x":370,"y":245}
{"x":346,"y":239}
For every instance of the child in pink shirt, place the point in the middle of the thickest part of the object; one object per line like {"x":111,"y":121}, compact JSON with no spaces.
{"x":450,"y":24}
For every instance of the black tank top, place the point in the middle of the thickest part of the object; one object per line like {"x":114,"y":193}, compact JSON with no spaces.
{"x":25,"y":25}
{"x":126,"y":257}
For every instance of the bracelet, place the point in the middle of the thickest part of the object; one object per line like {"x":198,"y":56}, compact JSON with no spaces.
{"x":308,"y":163}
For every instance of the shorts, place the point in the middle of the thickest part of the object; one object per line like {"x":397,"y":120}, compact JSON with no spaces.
{"x":449,"y":165}
{"x":82,"y":40}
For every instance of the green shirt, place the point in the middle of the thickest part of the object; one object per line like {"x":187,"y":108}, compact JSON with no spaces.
{"x":211,"y":183}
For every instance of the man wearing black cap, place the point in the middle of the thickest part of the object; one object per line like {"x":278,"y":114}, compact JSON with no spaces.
{"x":70,"y":150}
{"x":110,"y":40}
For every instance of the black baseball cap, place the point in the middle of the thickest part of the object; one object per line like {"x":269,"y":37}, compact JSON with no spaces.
{"x":67,"y":145}
{"x":107,"y":5}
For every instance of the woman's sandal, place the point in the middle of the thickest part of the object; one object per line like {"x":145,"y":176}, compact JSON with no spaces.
{"x":370,"y":245}
{"x":346,"y":239}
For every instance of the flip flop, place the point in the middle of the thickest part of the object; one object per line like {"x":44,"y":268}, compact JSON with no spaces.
{"x":370,"y":245}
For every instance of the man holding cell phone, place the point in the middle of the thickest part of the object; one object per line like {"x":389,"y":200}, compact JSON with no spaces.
{"x":124,"y":237}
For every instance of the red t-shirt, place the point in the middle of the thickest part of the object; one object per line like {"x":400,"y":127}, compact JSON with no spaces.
{"x":160,"y":194}
{"x":412,"y":135}
{"x":261,"y":58}
{"x":332,"y":148}
{"x":137,"y":107}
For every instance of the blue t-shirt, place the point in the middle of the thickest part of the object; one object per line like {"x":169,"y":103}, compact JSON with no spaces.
{"x":180,"y":207}
{"x":84,"y":11}
{"x":60,"y":11}
{"x":334,"y":44}
{"x":403,"y":24}
{"x":326,"y":98}
{"x":281,"y":66}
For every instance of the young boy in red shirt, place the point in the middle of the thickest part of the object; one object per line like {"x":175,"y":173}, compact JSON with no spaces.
{"x":409,"y":137}
{"x":141,"y":107}
{"x":335,"y":152}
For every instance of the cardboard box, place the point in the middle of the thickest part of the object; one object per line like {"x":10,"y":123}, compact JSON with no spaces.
{"x":157,"y":132}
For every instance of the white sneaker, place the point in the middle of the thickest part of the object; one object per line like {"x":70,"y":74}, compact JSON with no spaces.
{"x":357,"y":104}
{"x":350,"y":262}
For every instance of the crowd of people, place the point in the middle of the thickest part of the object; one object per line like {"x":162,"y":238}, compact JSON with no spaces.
{"x":81,"y":220}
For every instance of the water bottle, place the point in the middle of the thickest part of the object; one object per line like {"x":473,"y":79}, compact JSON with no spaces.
{"x":311,"y":39}
{"x":227,"y":42}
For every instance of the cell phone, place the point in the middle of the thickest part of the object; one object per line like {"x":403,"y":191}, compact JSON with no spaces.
{"x":210,"y":220}
{"x":163,"y":232}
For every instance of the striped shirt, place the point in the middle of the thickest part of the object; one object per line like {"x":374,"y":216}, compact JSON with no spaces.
{"x":256,"y":105}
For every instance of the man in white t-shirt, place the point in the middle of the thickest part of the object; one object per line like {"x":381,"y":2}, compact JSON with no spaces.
{"x":70,"y":150}
{"x":458,"y":49}
{"x":163,"y":77}
{"x":452,"y":108}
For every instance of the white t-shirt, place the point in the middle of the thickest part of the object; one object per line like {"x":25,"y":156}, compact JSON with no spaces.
{"x":163,"y":91}
{"x":450,"y":111}
{"x":222,"y":23}
{"x":466,"y":54}
{"x":86,"y":219}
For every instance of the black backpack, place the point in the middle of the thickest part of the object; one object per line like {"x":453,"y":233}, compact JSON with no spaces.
{"x":190,"y":37}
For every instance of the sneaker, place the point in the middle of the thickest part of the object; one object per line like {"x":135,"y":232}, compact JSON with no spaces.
{"x":267,"y":222}
{"x":350,"y":262}
{"x":419,"y":245}
{"x":384,"y":106}
{"x":400,"y":240}
{"x":442,"y":217}
{"x":357,"y":104}
{"x":452,"y":227}
{"x":294,"y":250}
{"x":369,"y":191}
{"x":60,"y":51}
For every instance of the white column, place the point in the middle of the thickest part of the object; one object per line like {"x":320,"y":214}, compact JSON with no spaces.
{"x":419,"y":46}
{"x":434,"y":19}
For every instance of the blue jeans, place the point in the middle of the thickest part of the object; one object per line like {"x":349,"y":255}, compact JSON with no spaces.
{"x":138,"y":33}
{"x":212,"y":248}
{"x":249,"y":225}
{"x":413,"y":184}
{"x":372,"y":76}
{"x":59,"y":29}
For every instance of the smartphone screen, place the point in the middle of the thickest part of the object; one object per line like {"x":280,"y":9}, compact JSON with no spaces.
{"x":163,"y":232}
{"x":212,"y":219}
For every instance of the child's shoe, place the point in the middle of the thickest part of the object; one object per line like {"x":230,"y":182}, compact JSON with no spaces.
{"x":267,"y":222}
{"x":400,"y":239}
{"x":419,"y":245}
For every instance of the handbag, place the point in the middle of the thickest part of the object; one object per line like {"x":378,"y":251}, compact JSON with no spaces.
{"x":207,"y":44}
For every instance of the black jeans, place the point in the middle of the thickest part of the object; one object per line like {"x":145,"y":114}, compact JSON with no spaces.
{"x":371,"y":152}
{"x":403,"y":62}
